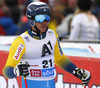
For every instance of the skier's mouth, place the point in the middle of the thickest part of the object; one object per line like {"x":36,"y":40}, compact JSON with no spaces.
{"x":44,"y":26}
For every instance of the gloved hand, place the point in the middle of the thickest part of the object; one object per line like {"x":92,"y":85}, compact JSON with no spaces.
{"x":21,"y":69}
{"x":82,"y":74}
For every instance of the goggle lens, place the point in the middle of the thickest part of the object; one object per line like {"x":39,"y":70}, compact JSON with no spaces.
{"x":40,"y":18}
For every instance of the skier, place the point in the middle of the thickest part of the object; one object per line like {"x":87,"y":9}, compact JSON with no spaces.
{"x":34,"y":53}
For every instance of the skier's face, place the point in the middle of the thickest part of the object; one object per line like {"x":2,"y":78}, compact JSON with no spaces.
{"x":42,"y":26}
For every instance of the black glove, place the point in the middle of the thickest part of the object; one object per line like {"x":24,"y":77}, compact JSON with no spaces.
{"x":21,"y":69}
{"x":82,"y":74}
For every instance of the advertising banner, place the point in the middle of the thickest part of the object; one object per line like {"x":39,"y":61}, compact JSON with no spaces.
{"x":67,"y":80}
{"x":63,"y":79}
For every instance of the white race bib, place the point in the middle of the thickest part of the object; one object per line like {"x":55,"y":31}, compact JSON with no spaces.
{"x":41,"y":68}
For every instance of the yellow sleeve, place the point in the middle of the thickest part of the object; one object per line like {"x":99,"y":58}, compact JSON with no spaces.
{"x":17,"y":49}
{"x":60,"y":59}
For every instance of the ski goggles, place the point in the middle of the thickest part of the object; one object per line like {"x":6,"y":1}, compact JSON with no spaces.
{"x":41,"y":17}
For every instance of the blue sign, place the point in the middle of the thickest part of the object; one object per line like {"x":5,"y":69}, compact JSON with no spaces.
{"x":47,"y":72}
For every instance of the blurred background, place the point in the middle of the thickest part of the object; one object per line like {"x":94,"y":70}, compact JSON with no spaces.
{"x":13,"y":20}
{"x":84,"y":52}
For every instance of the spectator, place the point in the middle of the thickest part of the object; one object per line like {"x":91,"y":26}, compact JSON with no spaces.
{"x":63,"y":29}
{"x":96,"y":11}
{"x":24,"y":25}
{"x":4,"y":12}
{"x":96,"y":7}
{"x":7,"y":24}
{"x":15,"y":14}
{"x":56,"y":16}
{"x":72,"y":4}
{"x":14,"y":9}
{"x":84,"y":25}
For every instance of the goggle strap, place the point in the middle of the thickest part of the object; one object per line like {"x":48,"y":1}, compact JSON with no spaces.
{"x":32,"y":17}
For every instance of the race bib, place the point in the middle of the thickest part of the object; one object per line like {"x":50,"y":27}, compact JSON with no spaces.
{"x":43,"y":67}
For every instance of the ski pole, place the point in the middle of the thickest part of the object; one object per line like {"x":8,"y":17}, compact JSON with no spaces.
{"x":84,"y":77}
{"x":25,"y":82}
{"x":84,"y":86}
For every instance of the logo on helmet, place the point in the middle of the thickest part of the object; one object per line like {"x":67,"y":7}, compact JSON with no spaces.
{"x":29,"y":9}
{"x":44,"y":7}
